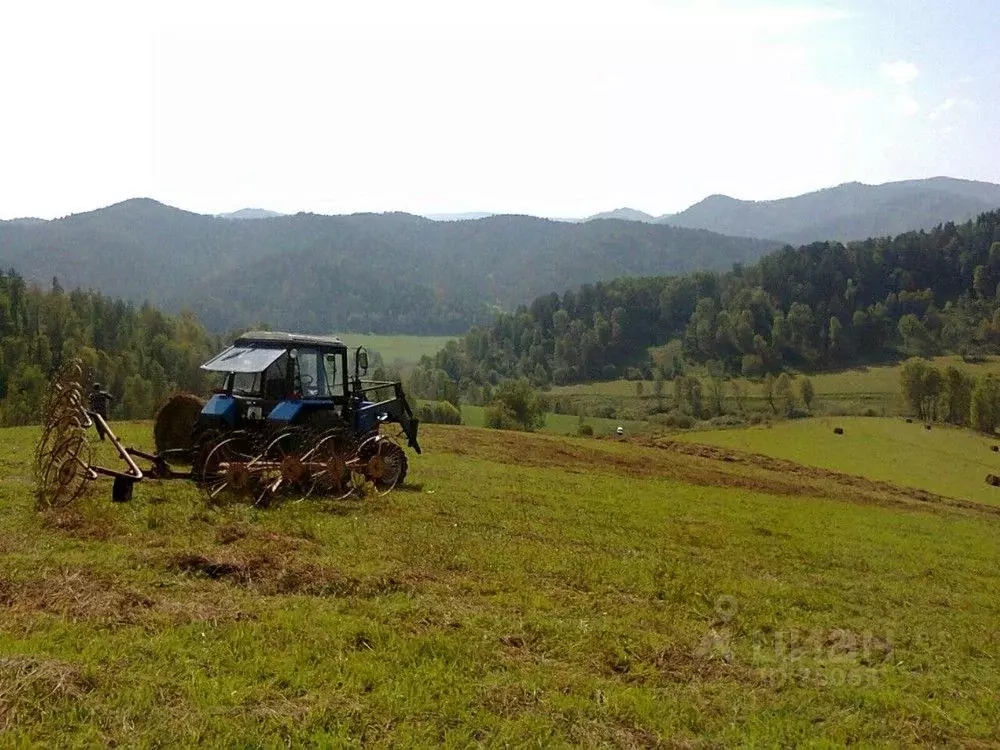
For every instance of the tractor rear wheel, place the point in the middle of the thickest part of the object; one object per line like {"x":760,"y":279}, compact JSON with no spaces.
{"x":203,"y":440}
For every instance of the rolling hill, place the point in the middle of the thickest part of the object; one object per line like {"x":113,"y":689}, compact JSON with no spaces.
{"x":381,"y":273}
{"x":625,"y":214}
{"x":852,"y":211}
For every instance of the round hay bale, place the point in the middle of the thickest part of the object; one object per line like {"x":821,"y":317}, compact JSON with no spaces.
{"x":993,"y":479}
{"x":927,"y":426}
{"x":175,"y":420}
{"x":838,"y":430}
{"x":909,"y":421}
{"x":995,"y":448}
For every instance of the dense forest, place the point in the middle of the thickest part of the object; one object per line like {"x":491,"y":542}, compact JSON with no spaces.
{"x":367,"y":273}
{"x":138,"y":354}
{"x":822,"y":305}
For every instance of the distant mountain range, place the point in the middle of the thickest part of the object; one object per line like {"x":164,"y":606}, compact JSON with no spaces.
{"x":852,"y":211}
{"x":624,"y":214}
{"x":397,"y":272}
{"x":250,"y":213}
{"x":384,"y":273}
{"x":469,"y":216}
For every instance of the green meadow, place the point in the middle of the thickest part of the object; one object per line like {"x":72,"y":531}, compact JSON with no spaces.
{"x":526,"y":590}
{"x":403,"y":351}
{"x":946,"y":460}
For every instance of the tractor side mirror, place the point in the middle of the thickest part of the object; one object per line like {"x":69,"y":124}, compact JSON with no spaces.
{"x":361,"y":359}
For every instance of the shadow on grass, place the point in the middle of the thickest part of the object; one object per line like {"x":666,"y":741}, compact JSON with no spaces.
{"x":408,"y":488}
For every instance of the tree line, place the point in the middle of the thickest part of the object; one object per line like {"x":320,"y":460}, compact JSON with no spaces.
{"x":137,"y":353}
{"x":823,"y":305}
{"x":951,"y":395}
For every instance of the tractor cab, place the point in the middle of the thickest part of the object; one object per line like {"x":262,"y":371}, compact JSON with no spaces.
{"x":272,"y":378}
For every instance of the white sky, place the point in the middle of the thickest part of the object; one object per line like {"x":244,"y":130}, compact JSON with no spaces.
{"x":555,"y":108}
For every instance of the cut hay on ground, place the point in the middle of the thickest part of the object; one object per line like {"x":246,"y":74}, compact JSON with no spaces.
{"x":175,"y":420}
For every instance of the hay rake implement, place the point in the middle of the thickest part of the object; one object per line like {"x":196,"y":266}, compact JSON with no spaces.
{"x":63,"y":457}
{"x":243,"y":465}
{"x":256,"y":468}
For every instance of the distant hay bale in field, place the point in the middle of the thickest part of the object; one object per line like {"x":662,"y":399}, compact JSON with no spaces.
{"x":995,"y":448}
{"x":909,"y":421}
{"x":838,"y":430}
{"x":927,"y":426}
{"x":175,"y":420}
{"x":993,"y":479}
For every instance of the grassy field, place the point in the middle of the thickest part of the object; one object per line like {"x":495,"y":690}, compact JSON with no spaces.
{"x":562,"y":424}
{"x":521,"y":590}
{"x":403,"y":351}
{"x":946,"y":460}
{"x":851,"y":390}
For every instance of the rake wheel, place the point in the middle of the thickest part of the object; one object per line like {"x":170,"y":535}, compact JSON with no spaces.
{"x":53,"y":433}
{"x":335,"y":461}
{"x":226,"y":473}
{"x":66,"y":381}
{"x":66,"y":472}
{"x":279,"y":466}
{"x":384,"y":463}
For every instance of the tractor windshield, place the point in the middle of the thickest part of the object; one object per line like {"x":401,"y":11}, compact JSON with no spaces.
{"x":246,"y":383}
{"x":270,"y":383}
{"x":313,"y":376}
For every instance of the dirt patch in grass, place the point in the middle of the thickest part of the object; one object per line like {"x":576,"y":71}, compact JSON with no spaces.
{"x":509,"y":700}
{"x":232,"y":532}
{"x":29,"y":685}
{"x":78,"y":595}
{"x":273,"y":541}
{"x":670,"y":664}
{"x":271,"y":573}
{"x":77,"y":524}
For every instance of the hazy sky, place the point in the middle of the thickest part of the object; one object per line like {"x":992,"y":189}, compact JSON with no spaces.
{"x":557,"y":108}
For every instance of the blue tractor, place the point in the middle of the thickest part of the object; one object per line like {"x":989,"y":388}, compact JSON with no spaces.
{"x":288,"y":415}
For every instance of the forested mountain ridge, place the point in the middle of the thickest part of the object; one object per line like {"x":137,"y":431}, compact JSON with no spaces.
{"x":820,"y":305}
{"x":391,"y":273}
{"x":625,"y":214}
{"x":852,"y":211}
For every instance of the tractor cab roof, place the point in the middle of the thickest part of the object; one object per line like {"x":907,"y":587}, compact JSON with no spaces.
{"x":283,"y":340}
{"x":255,"y":351}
